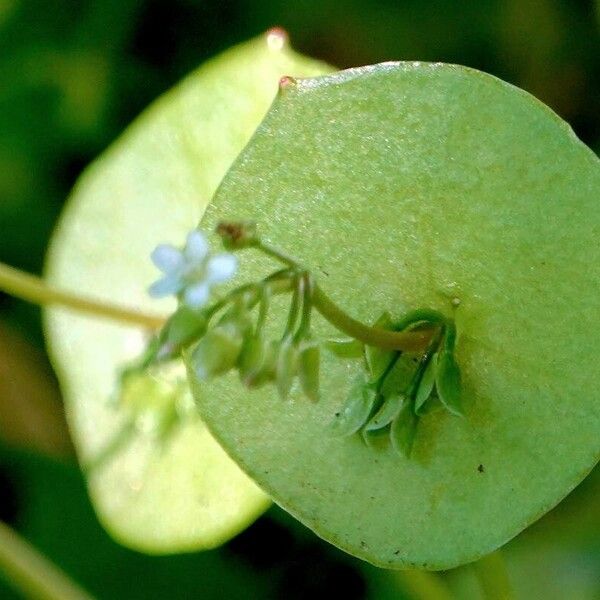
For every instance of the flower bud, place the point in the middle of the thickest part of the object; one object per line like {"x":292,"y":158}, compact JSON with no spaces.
{"x":237,"y":235}
{"x":218,"y":351}
{"x":286,"y":366}
{"x":184,"y":327}
{"x":267,"y":372}
{"x":252,"y":359}
{"x":308,"y":370}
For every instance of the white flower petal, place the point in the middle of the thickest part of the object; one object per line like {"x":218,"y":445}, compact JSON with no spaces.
{"x":196,"y":247}
{"x":168,"y":285}
{"x":167,"y":258}
{"x":196,"y":296}
{"x":221,"y":268}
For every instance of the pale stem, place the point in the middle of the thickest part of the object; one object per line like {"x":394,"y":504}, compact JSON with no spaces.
{"x":32,"y":573}
{"x":493,"y":577}
{"x":422,"y":585}
{"x":36,"y":290}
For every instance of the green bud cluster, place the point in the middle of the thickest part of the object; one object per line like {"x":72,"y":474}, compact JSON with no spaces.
{"x":385,"y":402}
{"x":237,"y":343}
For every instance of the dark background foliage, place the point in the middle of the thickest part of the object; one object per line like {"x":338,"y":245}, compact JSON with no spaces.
{"x":73,"y":74}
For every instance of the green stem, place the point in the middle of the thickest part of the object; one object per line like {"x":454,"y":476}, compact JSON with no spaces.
{"x":493,"y":577}
{"x":409,"y":341}
{"x":278,"y":283}
{"x":406,"y":341}
{"x":34,"y":289}
{"x":32,"y":573}
{"x":422,"y":585}
{"x":276,"y":254}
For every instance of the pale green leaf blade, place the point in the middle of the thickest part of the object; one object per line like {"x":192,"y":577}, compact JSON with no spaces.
{"x":152,"y":186}
{"x":420,"y":185}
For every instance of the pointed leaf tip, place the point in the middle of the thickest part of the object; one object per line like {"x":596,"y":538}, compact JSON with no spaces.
{"x":386,"y":413}
{"x":403,"y":430}
{"x":448,"y":384}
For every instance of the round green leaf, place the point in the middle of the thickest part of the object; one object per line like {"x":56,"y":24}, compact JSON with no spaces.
{"x":177,"y":491}
{"x":427,"y":185}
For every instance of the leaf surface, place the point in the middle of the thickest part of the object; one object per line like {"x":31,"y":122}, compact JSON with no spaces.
{"x":427,"y":185}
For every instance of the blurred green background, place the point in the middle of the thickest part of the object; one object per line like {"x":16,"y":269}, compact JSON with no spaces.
{"x":73,"y":74}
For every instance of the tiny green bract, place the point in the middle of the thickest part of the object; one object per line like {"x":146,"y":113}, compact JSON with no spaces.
{"x":404,"y":185}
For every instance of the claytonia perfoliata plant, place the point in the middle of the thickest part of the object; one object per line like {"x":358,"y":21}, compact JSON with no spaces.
{"x":409,"y":364}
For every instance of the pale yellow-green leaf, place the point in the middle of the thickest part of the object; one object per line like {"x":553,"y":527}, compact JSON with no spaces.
{"x":152,"y":186}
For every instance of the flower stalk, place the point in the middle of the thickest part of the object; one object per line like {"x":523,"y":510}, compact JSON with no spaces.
{"x":36,"y":290}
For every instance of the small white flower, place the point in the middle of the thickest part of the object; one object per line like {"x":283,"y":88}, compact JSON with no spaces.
{"x":189,"y":273}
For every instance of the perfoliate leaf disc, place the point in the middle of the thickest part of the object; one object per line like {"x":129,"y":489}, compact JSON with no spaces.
{"x":152,"y":186}
{"x":416,"y":185}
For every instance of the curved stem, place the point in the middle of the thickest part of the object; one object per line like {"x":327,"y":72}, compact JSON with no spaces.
{"x":35,"y":289}
{"x":33,"y":574}
{"x":407,"y":341}
{"x":372,"y":336}
{"x":276,"y":254}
